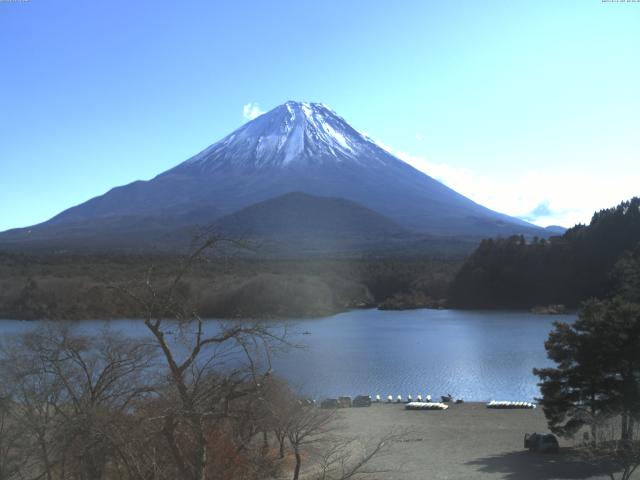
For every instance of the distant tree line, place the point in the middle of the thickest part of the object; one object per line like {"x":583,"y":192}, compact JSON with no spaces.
{"x":518,"y":273}
{"x":76,"y":286}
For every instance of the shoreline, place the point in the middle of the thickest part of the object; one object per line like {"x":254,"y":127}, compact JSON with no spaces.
{"x":310,"y":316}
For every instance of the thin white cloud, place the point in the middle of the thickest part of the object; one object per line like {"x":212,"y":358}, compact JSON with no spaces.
{"x":543,"y":209}
{"x":545,"y":215}
{"x":559,"y":197}
{"x":251,"y":110}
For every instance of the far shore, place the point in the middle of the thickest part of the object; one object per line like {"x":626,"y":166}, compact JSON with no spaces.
{"x":294,"y":317}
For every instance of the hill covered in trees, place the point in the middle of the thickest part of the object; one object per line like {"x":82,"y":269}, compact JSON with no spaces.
{"x":516,"y":273}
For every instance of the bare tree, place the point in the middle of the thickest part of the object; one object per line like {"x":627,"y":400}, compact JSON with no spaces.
{"x":33,"y":397}
{"x":314,"y":434}
{"x":73,"y":395}
{"x":305,"y":427}
{"x":279,"y":401}
{"x":11,"y":439}
{"x":346,"y":458}
{"x":210,"y":367}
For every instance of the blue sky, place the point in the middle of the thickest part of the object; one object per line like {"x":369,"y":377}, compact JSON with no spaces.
{"x":531,"y":108}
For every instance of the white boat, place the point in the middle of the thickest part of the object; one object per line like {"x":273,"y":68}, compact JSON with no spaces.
{"x":426,"y":406}
{"x":506,"y":404}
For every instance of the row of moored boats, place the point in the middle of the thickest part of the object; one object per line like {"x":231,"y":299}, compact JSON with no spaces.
{"x":399,"y":399}
{"x":419,"y":403}
{"x":426,"y":404}
{"x":509,"y":405}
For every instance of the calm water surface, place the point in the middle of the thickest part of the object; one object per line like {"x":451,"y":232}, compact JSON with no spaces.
{"x":470,"y":354}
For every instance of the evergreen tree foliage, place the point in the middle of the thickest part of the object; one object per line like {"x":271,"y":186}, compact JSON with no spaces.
{"x":598,"y":368}
{"x":515,"y":273}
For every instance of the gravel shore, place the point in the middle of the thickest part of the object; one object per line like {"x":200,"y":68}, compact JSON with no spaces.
{"x":467,"y":441}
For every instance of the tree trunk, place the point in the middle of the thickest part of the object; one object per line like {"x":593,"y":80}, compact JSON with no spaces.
{"x":281,"y":438}
{"x":594,"y":424}
{"x":296,"y":472}
{"x":168,"y":432}
{"x":45,"y":456}
{"x":201,"y":453}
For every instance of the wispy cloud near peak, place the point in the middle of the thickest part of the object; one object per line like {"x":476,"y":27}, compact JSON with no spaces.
{"x":543,"y":209}
{"x":251,"y":110}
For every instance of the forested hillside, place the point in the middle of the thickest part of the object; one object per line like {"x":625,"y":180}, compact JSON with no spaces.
{"x":515,"y":273}
{"x":86,"y":286}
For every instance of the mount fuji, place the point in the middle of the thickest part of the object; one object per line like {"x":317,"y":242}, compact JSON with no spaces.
{"x":296,"y":147}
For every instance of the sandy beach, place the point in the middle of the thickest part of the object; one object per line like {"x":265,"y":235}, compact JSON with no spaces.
{"x":466,"y":441}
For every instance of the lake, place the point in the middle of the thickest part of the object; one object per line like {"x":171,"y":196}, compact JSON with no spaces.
{"x":476,"y":355}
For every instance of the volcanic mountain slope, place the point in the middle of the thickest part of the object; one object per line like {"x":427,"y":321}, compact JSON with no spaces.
{"x":298,"y":224}
{"x":301,"y":225}
{"x":299,"y":215}
{"x":296,"y":147}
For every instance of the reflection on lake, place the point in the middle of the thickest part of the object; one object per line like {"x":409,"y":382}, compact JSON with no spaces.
{"x":470,"y":354}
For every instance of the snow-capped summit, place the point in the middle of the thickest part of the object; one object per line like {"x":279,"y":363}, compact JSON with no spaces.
{"x":293,"y":133}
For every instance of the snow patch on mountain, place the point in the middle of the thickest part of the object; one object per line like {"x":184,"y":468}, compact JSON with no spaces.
{"x":291,"y":134}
